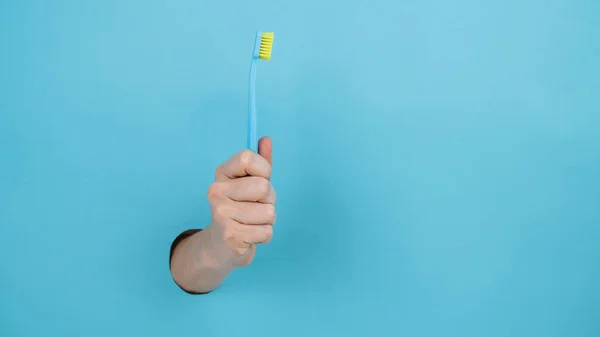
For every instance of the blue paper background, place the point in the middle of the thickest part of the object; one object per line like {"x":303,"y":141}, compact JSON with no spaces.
{"x":436,"y":162}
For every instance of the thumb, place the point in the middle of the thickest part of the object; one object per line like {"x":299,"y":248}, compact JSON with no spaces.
{"x":265,"y":149}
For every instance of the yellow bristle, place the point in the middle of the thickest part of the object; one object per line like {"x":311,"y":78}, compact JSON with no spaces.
{"x":266,"y":45}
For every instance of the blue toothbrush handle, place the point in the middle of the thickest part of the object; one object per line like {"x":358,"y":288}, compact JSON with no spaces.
{"x":252,"y":141}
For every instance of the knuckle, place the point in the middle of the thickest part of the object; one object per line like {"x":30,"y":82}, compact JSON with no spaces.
{"x":214,"y":191}
{"x":270,"y":211}
{"x":263,"y":186}
{"x":220,"y":211}
{"x":218,"y":171}
{"x":274,"y":197}
{"x":245,"y":158}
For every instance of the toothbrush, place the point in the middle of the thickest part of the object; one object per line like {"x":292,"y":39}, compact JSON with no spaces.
{"x":263,"y":44}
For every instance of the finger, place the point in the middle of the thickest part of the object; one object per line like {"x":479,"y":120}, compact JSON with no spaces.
{"x":265,"y":149}
{"x":242,"y":164}
{"x":257,"y":234}
{"x":255,"y":189}
{"x":253,"y":213}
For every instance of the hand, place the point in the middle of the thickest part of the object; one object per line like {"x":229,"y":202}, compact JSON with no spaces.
{"x":242,"y":202}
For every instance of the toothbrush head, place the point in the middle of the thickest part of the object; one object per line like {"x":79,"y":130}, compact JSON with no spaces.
{"x":266,"y":45}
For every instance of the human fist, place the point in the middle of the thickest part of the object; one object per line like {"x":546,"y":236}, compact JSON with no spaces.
{"x":242,"y":202}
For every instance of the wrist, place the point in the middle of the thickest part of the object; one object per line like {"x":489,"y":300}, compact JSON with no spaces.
{"x":214,"y":252}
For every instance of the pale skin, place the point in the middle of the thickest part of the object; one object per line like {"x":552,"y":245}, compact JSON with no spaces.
{"x":242,"y":203}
